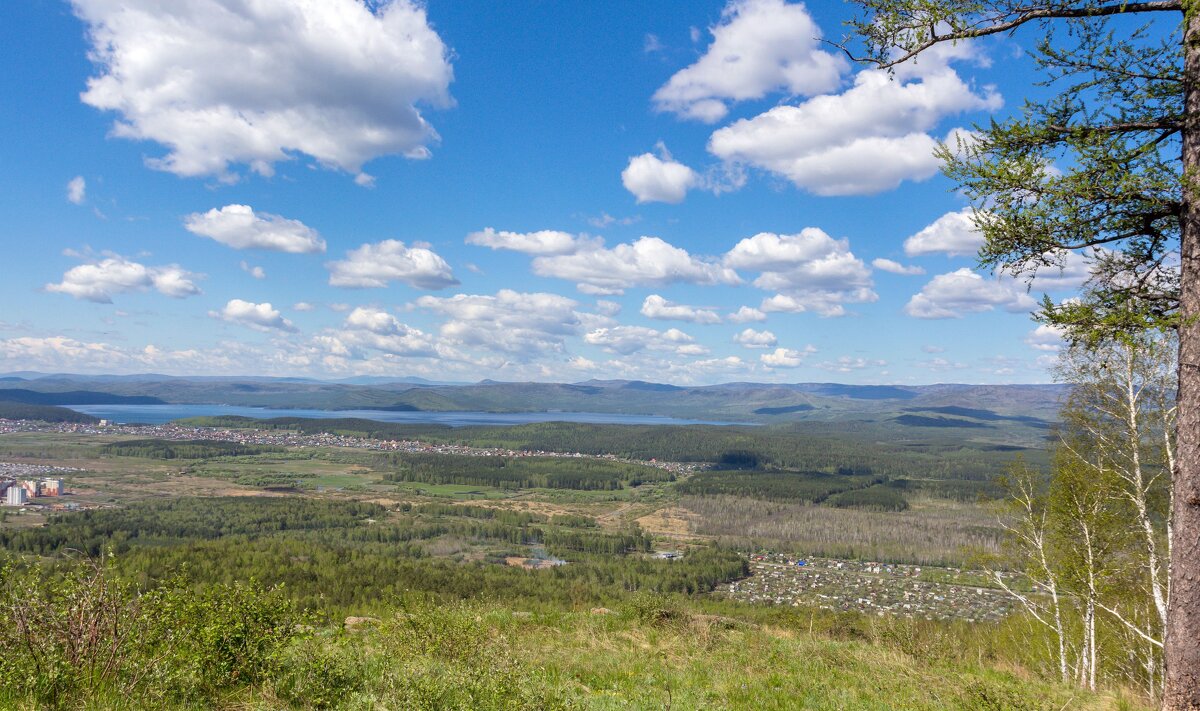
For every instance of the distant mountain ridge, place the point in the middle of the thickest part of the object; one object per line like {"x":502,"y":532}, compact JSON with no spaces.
{"x":766,"y":403}
{"x":74,"y":397}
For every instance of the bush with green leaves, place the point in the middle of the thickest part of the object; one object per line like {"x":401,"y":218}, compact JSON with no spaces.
{"x":78,"y":633}
{"x":69,"y":632}
{"x":652,"y":608}
{"x":323,"y":672}
{"x":220,"y":636}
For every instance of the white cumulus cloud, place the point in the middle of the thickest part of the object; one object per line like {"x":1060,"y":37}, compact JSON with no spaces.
{"x":658,"y":179}
{"x":371,"y":328}
{"x":849,"y":364}
{"x":542,"y":242}
{"x":963,"y":292}
{"x":260,"y":317}
{"x":256,"y":272}
{"x":220,"y":83}
{"x":238,"y":226}
{"x":893,"y":267}
{"x":787,"y":357}
{"x":648,"y":261}
{"x":1066,"y":270}
{"x":631,"y":339}
{"x":865,"y":140}
{"x":811,"y":271}
{"x":99,"y":281}
{"x":61,"y":352}
{"x":374,"y":265}
{"x":953,"y":234}
{"x":756,"y":339}
{"x":1045,"y":338}
{"x":759,"y":46}
{"x":525,"y":325}
{"x":76,"y":190}
{"x":656,"y":307}
{"x":747,"y":314}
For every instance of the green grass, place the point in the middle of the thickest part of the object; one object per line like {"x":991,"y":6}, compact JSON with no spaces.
{"x":433,"y":655}
{"x":452,"y":491}
{"x":340,"y":481}
{"x":466,"y":655}
{"x":700,"y":663}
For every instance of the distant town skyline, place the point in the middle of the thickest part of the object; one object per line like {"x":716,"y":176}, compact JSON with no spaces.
{"x":690,"y":193}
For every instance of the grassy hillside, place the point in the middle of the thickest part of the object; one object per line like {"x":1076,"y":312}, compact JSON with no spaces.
{"x":242,"y":646}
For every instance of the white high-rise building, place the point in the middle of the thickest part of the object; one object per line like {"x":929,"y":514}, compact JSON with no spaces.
{"x":16,"y":496}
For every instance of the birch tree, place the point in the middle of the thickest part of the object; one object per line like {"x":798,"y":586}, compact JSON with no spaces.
{"x":1121,"y":409}
{"x":1027,"y":525}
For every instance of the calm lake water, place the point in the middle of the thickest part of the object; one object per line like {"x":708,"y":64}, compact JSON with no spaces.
{"x":158,"y":414}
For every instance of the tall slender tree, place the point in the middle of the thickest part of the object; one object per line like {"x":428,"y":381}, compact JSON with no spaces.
{"x":1108,"y":164}
{"x":1118,"y":410}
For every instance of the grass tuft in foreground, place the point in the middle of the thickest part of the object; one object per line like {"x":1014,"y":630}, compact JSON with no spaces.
{"x":82,"y":638}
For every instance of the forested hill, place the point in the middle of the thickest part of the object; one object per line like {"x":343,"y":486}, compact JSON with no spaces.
{"x":74,"y":397}
{"x":45,"y":413}
{"x":741,"y":402}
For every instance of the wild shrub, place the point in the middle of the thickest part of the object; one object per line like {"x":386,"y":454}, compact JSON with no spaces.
{"x":225,"y":635}
{"x":982,"y":695}
{"x":652,"y":608}
{"x":322,"y":673}
{"x":70,"y":633}
{"x":919,"y":639}
{"x":79,"y":634}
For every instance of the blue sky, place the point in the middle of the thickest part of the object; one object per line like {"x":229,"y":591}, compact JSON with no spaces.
{"x":690,"y":192}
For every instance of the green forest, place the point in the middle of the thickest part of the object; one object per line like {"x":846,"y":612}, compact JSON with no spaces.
{"x":185,"y":449}
{"x":852,"y":446}
{"x":344,"y":555}
{"x":10,"y":410}
{"x":522,"y":472}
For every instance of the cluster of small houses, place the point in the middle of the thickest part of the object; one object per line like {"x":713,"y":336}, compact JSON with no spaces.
{"x":279,"y":438}
{"x":868,"y":587}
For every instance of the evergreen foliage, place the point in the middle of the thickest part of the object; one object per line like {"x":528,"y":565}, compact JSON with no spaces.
{"x":584,"y":474}
{"x":45,"y":413}
{"x":806,"y":487}
{"x":879,"y":497}
{"x":807,"y":447}
{"x":185,"y":449}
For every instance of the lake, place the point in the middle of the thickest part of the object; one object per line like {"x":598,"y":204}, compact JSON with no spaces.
{"x":158,"y":414}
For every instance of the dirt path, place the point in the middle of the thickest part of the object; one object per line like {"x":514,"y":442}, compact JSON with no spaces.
{"x":613,"y":518}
